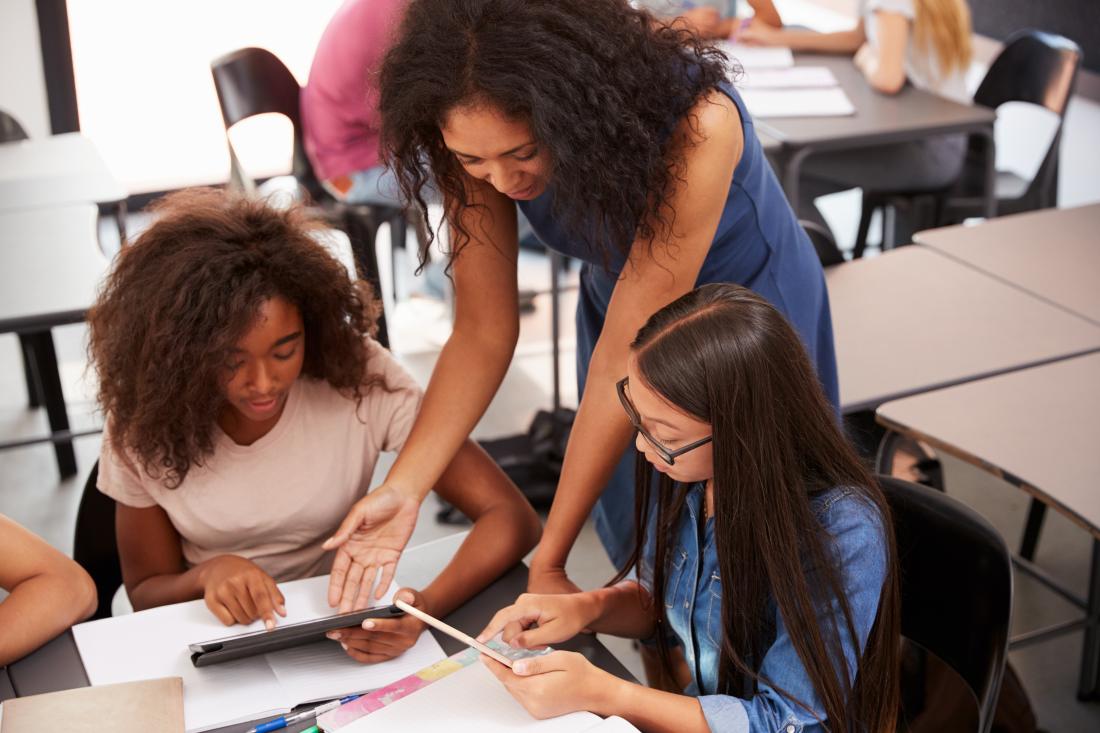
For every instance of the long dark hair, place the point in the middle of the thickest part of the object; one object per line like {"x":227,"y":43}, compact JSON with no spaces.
{"x":601,"y":84}
{"x":181,"y":296}
{"x":724,"y":355}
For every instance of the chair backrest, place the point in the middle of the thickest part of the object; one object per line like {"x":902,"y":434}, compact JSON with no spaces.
{"x":1039,"y":68}
{"x":253,"y":81}
{"x":956,"y":586}
{"x":823,"y":242}
{"x":95,"y":547}
{"x":10,"y":129}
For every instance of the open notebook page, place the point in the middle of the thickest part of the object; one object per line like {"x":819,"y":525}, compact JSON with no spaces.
{"x":153,"y":643}
{"x":472,"y":700}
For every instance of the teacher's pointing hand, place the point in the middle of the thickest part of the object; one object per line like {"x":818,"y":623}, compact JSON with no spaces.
{"x":370,"y":541}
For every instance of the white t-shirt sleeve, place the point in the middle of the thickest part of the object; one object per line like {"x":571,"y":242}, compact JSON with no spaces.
{"x":390,"y":407}
{"x":901,"y":7}
{"x":121,"y":479}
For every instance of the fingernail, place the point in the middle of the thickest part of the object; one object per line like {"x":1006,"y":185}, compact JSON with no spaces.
{"x":520,"y":667}
{"x":368,"y":624}
{"x":344,"y":645}
{"x":269,"y":624}
{"x":333,"y":635}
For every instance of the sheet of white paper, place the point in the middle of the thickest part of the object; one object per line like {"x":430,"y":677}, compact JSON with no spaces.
{"x":471,"y":700}
{"x":796,"y":77}
{"x":323,"y":670}
{"x":758,"y":57}
{"x":798,"y":102}
{"x":153,"y":643}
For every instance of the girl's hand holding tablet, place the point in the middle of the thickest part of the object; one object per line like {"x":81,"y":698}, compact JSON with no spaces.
{"x":380,"y":639}
{"x":536,"y":620}
{"x":558,"y":683}
{"x":236,"y":590}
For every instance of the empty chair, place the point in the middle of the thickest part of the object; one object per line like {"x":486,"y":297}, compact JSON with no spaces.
{"x":956,"y":586}
{"x":253,"y":81}
{"x":1035,"y":67}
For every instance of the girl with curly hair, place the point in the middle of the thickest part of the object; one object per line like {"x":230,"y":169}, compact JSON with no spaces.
{"x":765,"y":557}
{"x":625,"y":145}
{"x":246,"y":405}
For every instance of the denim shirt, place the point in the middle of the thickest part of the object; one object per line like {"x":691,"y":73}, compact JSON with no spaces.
{"x":693,"y":606}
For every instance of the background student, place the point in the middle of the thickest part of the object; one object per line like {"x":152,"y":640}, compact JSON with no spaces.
{"x":924,"y":42}
{"x":47,"y":592}
{"x":765,"y":550}
{"x":246,"y":406}
{"x":626,"y":146}
{"x":709,"y":18}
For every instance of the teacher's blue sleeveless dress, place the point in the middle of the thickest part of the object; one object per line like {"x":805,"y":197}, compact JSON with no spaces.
{"x":758,"y":244}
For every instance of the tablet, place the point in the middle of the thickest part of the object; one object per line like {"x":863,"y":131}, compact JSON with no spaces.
{"x":228,"y":648}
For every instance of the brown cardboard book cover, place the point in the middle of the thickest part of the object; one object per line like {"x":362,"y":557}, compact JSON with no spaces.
{"x":129,"y":707}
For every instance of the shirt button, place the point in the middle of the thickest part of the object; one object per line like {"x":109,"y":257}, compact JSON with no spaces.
{"x":685,"y":606}
{"x":790,"y":728}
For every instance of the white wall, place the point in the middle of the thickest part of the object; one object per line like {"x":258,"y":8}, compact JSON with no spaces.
{"x":22,"y":86}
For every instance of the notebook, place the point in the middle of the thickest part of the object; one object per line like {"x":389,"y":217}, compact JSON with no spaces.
{"x":796,"y":77}
{"x":472,"y":700}
{"x":154,"y":643}
{"x":130,"y":707}
{"x":757,"y":57}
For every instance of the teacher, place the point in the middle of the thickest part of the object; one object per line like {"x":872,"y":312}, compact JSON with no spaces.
{"x":623,"y":142}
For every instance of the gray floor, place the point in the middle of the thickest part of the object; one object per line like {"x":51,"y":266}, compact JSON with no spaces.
{"x":32,"y":494}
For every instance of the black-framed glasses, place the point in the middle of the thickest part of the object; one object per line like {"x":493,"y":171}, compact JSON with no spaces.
{"x":667,"y":454}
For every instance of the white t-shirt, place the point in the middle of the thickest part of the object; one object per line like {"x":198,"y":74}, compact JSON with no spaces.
{"x":276,"y":501}
{"x":922,"y":68}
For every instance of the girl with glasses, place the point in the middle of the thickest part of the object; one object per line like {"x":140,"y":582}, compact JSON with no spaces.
{"x":764,"y":567}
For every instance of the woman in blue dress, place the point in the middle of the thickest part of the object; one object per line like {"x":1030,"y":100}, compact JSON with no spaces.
{"x":623,"y":142}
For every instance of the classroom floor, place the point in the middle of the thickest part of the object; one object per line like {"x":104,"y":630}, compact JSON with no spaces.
{"x":32,"y":494}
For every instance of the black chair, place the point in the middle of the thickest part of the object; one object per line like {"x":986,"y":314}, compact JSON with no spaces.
{"x":253,"y":81}
{"x":95,"y":547}
{"x":956,"y":586}
{"x":1035,"y":67}
{"x":823,"y":242}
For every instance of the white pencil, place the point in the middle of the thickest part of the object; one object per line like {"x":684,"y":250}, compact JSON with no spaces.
{"x":452,"y":632}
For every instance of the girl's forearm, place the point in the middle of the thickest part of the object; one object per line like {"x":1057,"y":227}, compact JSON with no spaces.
{"x":624,"y":609}
{"x":167,"y":588}
{"x":42,"y":607}
{"x":650,"y":710}
{"x":838,"y":42}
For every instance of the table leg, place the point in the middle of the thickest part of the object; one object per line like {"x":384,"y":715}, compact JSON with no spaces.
{"x":1035,"y":515}
{"x":34,"y":388}
{"x":44,"y":359}
{"x":1088,"y":687}
{"x":990,"y":203}
{"x":120,"y":222}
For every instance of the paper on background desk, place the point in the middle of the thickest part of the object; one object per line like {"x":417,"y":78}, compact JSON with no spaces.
{"x":757,"y":57}
{"x":798,"y":102}
{"x":796,"y":77}
{"x":153,"y":643}
{"x":472,"y":700}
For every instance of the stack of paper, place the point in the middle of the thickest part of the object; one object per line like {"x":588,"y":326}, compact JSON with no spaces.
{"x":757,"y":57}
{"x":154,"y":643}
{"x":798,"y":102}
{"x":473,"y":701}
{"x":796,"y":77}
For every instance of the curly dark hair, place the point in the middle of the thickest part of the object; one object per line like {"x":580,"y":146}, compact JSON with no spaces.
{"x":602,"y":85}
{"x":182,"y":295}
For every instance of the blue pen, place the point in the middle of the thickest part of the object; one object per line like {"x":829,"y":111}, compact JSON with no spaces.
{"x":284,"y":720}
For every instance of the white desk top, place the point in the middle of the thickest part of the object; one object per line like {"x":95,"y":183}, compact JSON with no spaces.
{"x":50,"y":265}
{"x":1038,"y":428}
{"x":913,"y":320}
{"x":50,"y":171}
{"x":1054,"y":253}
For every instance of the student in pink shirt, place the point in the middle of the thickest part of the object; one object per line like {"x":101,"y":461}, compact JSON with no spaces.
{"x":339,"y":104}
{"x":246,"y":407}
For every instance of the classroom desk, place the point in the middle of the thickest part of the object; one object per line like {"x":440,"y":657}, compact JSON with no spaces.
{"x":57,"y":666}
{"x":913,"y":320}
{"x":912,"y":114}
{"x":1053,"y":254}
{"x":50,"y":268}
{"x":1036,"y":429}
{"x":55,"y":170}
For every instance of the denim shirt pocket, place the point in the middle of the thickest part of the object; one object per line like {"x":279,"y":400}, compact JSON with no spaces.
{"x":714,"y":610}
{"x":675,"y":586}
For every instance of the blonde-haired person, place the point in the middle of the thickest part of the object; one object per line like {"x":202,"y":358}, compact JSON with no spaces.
{"x":924,"y":42}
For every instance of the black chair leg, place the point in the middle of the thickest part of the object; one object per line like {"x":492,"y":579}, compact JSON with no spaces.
{"x":34,"y":384}
{"x":44,"y":359}
{"x":398,"y":234}
{"x":865,"y":215}
{"x":362,"y":230}
{"x":1035,"y":515}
